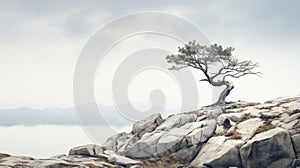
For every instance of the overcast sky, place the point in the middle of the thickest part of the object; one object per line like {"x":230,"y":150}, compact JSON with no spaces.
{"x":40,"y":42}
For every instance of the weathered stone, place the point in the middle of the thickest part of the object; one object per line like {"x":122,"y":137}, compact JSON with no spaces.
{"x":146,"y":146}
{"x":117,"y":141}
{"x":268,"y":149}
{"x":294,"y":131}
{"x":266,"y":106}
{"x":240,"y":104}
{"x":291,"y":125}
{"x":291,"y":106}
{"x":122,"y":160}
{"x":147,"y":125}
{"x":194,"y":125}
{"x":72,"y":158}
{"x":218,"y":153}
{"x":201,"y":118}
{"x":270,"y":115}
{"x":214,"y":111}
{"x":296,"y":163}
{"x":235,"y":117}
{"x":277,"y":111}
{"x":283,"y":117}
{"x":220,"y":130}
{"x":4,"y":155}
{"x":164,"y":143}
{"x":58,"y":156}
{"x":186,"y":155}
{"x":136,"y":166}
{"x":275,"y":122}
{"x":254,"y":112}
{"x":292,"y":118}
{"x":296,"y":144}
{"x":201,"y":134}
{"x":177,"y":121}
{"x":11,"y":161}
{"x":282,"y":100}
{"x":53,"y":164}
{"x":86,"y":150}
{"x":168,"y":143}
{"x":248,"y":128}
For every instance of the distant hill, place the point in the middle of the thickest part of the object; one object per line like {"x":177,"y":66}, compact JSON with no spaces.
{"x":60,"y":116}
{"x":54,"y":116}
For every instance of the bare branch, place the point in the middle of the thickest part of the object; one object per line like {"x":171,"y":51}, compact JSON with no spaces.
{"x":201,"y":57}
{"x":203,"y":80}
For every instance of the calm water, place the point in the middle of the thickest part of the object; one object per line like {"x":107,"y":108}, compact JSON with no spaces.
{"x":43,"y":140}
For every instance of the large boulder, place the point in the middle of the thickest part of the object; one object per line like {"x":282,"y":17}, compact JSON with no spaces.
{"x":235,"y":117}
{"x":186,"y":155}
{"x":293,"y":105}
{"x":269,"y":149}
{"x":248,"y":127}
{"x":4,"y":155}
{"x":145,"y":147}
{"x":293,"y":117}
{"x":166,"y":142}
{"x":293,"y":126}
{"x":86,"y":150}
{"x":169,"y":142}
{"x":176,"y":121}
{"x":156,"y":144}
{"x":296,"y":163}
{"x":119,"y":142}
{"x":122,"y":160}
{"x":296,"y":143}
{"x":147,"y":125}
{"x":200,"y":134}
{"x":219,"y":152}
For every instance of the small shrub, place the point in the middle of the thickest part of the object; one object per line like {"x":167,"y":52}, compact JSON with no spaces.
{"x":264,"y":128}
{"x":234,"y":135}
{"x":163,"y":162}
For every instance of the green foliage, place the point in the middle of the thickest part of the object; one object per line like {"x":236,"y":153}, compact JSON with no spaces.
{"x":204,"y":57}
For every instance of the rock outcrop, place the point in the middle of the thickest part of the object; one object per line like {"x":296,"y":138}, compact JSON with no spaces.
{"x":219,"y":151}
{"x":269,"y":149}
{"x":240,"y":134}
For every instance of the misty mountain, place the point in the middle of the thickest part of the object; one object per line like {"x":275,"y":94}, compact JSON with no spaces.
{"x":63,"y":116}
{"x":55,"y":116}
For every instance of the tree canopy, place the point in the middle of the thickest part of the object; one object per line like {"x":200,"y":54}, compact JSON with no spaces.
{"x":205,"y":58}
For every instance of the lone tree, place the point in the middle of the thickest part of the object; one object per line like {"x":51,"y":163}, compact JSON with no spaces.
{"x":213,"y":57}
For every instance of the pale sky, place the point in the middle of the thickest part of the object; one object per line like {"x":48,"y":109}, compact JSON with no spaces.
{"x":40,"y":42}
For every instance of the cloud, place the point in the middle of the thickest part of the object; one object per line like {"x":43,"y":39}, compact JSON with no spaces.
{"x":41,"y":41}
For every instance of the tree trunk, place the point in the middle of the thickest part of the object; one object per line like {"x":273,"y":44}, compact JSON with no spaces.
{"x":224,"y":94}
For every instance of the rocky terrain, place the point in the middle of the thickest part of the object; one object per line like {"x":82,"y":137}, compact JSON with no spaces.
{"x":241,"y":134}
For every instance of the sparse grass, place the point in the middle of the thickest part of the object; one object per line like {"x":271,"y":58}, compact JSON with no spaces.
{"x":264,"y":128}
{"x":199,"y":115}
{"x":239,"y":104}
{"x":247,"y":117}
{"x":234,"y":135}
{"x":163,"y":162}
{"x":220,"y":134}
